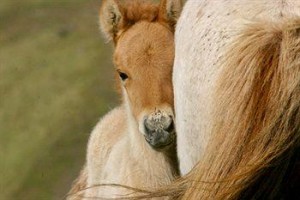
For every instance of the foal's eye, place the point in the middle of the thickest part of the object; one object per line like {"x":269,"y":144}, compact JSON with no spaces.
{"x":123,"y":76}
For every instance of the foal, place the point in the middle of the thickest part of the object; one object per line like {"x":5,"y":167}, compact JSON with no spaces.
{"x":134,"y":144}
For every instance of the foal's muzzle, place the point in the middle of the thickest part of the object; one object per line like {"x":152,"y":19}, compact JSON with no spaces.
{"x":159,"y":130}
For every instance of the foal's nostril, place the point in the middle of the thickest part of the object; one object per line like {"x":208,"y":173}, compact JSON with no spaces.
{"x":171,"y":127}
{"x":147,"y":127}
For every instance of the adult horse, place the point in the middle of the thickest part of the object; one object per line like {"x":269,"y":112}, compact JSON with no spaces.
{"x":134,"y":145}
{"x":237,"y":91}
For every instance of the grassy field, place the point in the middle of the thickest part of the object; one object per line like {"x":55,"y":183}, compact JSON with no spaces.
{"x":56,"y":80}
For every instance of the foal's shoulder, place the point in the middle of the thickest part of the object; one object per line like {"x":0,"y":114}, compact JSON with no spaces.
{"x":106,"y":134}
{"x":114,"y":119}
{"x":110,"y":127}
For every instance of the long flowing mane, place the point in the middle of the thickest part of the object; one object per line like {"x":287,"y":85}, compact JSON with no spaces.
{"x":257,"y":120}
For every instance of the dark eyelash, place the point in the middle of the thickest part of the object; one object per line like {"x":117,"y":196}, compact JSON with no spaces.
{"x":123,"y":76}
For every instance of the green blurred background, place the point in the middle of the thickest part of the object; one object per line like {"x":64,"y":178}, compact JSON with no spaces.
{"x":56,"y":81}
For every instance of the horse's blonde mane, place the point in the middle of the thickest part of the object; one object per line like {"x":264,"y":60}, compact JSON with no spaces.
{"x":257,"y":116}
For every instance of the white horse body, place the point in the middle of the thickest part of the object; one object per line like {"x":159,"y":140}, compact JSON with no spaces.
{"x":204,"y":31}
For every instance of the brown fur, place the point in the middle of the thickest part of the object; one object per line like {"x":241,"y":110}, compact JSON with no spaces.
{"x":150,"y":61}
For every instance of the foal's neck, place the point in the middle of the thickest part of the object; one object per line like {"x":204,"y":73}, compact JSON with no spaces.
{"x":141,"y":150}
{"x":136,"y":138}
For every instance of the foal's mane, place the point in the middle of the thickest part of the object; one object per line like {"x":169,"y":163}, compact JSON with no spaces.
{"x":134,"y":11}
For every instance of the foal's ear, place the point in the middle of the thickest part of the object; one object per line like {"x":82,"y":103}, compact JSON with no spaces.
{"x":110,"y":18}
{"x":171,"y":10}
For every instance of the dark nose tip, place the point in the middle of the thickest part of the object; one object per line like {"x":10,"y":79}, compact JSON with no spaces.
{"x":159,"y":131}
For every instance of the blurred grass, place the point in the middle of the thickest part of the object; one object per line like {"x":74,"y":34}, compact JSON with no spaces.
{"x":56,"y":80}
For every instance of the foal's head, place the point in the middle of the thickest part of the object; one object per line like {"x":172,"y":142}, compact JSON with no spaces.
{"x":143,"y":35}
